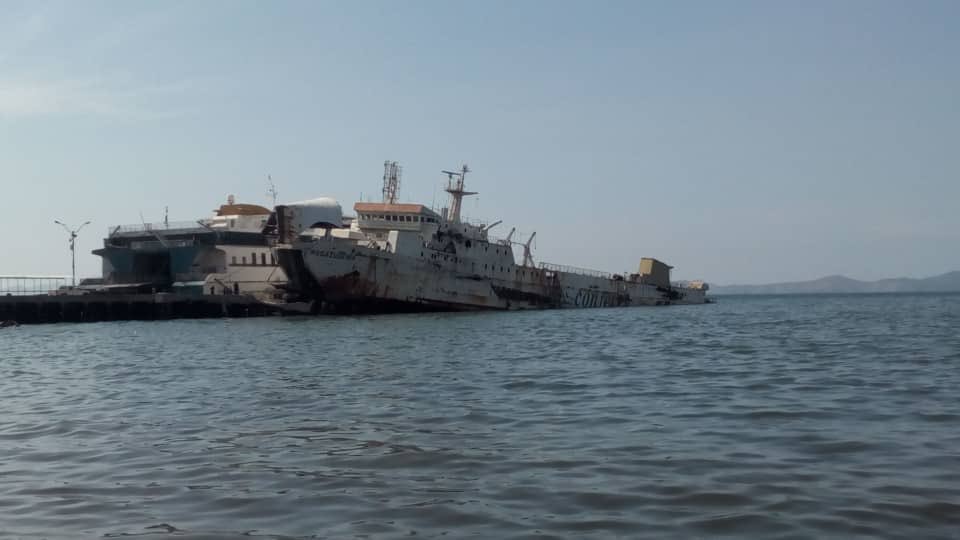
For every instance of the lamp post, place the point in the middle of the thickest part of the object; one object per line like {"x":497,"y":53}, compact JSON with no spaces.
{"x":73,"y":244}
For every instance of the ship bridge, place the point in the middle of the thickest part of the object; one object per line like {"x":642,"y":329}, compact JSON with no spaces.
{"x":394,"y":216}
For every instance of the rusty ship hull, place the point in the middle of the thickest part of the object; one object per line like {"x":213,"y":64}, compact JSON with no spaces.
{"x":407,"y":257}
{"x":345,"y":277}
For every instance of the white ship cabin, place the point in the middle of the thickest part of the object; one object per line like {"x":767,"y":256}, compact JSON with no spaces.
{"x":376,"y":220}
{"x":238,"y":217}
{"x":416,"y":231}
{"x":224,"y":253}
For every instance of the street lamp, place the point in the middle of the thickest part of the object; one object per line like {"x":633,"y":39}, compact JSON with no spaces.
{"x":73,"y":244}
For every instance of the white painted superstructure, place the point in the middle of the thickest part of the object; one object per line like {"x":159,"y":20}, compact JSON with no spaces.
{"x":227,"y":253}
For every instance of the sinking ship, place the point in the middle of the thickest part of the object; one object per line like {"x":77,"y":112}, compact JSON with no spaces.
{"x":397,"y":257}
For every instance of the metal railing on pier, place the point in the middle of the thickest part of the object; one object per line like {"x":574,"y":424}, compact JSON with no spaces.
{"x":27,"y":285}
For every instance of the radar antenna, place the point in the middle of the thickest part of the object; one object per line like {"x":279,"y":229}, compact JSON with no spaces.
{"x":456,"y":190}
{"x":391,"y":181}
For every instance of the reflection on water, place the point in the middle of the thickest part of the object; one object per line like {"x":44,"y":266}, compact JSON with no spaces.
{"x":756,"y":417}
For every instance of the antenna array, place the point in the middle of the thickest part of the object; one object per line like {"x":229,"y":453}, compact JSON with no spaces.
{"x":391,"y":181}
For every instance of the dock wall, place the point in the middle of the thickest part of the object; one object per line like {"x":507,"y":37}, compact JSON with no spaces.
{"x":38,"y":309}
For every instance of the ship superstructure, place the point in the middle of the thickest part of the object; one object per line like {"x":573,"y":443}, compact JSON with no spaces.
{"x":407,"y":257}
{"x":227,"y":253}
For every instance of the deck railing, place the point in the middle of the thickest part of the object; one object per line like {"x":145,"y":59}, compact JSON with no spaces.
{"x":157,"y":244}
{"x":574,"y":270}
{"x":149,"y":227}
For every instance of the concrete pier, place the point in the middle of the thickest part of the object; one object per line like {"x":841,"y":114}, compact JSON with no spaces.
{"x":37,"y":309}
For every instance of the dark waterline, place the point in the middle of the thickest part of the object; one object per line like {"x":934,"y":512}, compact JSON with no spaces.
{"x":764,"y":417}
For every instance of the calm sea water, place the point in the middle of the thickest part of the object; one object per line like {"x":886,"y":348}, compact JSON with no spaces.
{"x":764,"y":417}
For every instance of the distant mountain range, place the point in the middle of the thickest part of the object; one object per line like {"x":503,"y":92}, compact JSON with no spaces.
{"x":948,"y":282}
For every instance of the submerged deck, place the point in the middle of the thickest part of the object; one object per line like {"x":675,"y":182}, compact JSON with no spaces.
{"x":38,"y":309}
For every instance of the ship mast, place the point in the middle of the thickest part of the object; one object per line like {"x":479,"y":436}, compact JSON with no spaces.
{"x":272,"y":191}
{"x":456,"y":191}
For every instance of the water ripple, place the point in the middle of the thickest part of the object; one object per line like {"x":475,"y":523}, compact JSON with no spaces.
{"x":768,"y":417}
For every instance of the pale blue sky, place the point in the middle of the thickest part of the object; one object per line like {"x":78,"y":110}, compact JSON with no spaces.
{"x":739,"y":141}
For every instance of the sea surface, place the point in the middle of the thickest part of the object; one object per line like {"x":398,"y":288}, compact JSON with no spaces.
{"x":756,"y":417}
